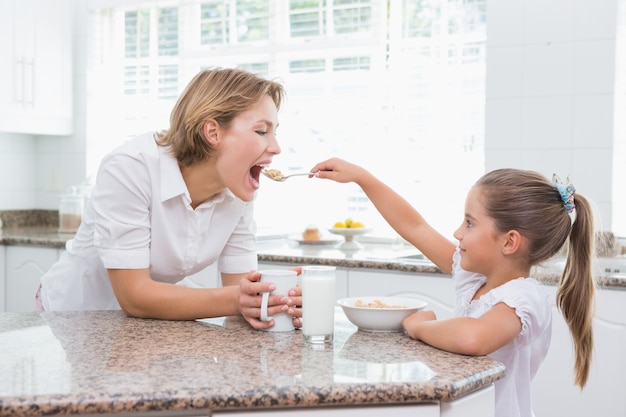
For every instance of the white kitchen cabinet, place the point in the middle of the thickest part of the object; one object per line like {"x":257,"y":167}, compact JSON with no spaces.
{"x":553,"y":389}
{"x":413,"y":410}
{"x":341,"y":283}
{"x":435,"y":289}
{"x":36,"y":67}
{"x":24,"y":267}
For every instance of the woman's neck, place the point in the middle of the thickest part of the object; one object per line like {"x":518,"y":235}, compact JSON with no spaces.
{"x":202,"y":182}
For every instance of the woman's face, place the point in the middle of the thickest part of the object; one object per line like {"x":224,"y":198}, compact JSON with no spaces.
{"x":246,"y":147}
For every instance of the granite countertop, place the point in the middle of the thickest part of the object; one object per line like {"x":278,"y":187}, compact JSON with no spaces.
{"x":291,"y":252}
{"x":104,"y":362}
{"x":384,"y":257}
{"x":34,"y":236}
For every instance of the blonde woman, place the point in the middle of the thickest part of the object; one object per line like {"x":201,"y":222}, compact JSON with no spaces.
{"x":167,"y":204}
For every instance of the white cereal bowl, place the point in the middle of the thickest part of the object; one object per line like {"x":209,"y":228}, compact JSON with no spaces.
{"x":387,"y":319}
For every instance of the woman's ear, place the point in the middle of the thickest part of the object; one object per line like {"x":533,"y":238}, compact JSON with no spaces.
{"x":211,"y":131}
{"x":513,"y":242}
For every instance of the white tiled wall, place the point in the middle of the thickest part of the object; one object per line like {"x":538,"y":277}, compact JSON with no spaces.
{"x":555,"y":83}
{"x":551,"y":93}
{"x":17,"y":171}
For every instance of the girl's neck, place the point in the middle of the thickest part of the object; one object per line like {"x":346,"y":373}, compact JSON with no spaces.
{"x":501,"y":277}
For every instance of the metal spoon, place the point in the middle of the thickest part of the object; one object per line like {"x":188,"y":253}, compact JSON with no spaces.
{"x":276,"y":175}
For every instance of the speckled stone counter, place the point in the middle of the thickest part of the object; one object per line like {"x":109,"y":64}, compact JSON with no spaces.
{"x":104,"y":362}
{"x":384,"y":257}
{"x":290,"y":252}
{"x":34,"y":236}
{"x":31,"y":228}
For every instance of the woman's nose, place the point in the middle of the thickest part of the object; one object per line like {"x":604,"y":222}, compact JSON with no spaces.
{"x":274,"y":147}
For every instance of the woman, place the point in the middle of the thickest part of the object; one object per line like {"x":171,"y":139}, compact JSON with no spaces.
{"x":166,"y":205}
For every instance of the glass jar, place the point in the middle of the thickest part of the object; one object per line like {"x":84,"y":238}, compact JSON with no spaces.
{"x":70,"y":211}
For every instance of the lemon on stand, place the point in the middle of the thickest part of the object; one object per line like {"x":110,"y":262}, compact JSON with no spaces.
{"x":348,"y":224}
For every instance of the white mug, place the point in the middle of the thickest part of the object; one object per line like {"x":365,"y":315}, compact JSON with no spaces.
{"x":284,"y":279}
{"x":318,"y":303}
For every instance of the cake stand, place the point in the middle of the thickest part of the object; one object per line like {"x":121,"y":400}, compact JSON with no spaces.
{"x":348,"y":234}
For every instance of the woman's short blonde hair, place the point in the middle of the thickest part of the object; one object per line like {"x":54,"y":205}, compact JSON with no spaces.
{"x":220,"y":94}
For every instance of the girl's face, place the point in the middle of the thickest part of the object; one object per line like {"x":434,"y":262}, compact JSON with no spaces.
{"x":246,"y":146}
{"x":478,"y":238}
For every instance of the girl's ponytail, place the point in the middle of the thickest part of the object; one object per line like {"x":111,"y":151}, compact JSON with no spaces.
{"x":576,"y":291}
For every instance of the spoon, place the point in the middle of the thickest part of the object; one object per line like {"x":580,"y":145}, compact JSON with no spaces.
{"x":276,"y":175}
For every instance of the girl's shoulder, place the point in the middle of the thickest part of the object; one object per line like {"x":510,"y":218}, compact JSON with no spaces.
{"x":528,"y":297}
{"x":521,"y":291}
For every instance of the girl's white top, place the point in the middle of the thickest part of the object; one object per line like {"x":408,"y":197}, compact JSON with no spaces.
{"x":140,"y":216}
{"x":527,"y":351}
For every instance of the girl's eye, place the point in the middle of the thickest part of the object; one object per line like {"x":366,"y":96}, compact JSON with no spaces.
{"x":468,"y":223}
{"x":261,"y":132}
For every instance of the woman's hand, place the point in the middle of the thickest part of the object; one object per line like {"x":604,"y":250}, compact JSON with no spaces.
{"x":294,"y":309}
{"x":250,"y":290}
{"x":250,"y":297}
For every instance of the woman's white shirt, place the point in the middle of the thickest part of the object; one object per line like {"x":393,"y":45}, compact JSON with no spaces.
{"x":140,"y":216}
{"x":523,"y":356}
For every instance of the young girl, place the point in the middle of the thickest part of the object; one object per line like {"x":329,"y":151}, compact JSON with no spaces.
{"x":514,"y":219}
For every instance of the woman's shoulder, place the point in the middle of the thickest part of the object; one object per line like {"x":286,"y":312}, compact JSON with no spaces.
{"x":145,"y":143}
{"x":141,"y":148}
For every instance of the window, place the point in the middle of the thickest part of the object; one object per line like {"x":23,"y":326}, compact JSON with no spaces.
{"x":397,"y":86}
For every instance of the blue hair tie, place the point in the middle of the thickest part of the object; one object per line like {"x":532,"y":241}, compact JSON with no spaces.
{"x":566,"y":190}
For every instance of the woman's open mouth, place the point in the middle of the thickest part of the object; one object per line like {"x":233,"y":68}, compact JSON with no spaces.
{"x":255,"y":172}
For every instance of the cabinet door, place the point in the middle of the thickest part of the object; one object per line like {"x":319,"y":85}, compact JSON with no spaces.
{"x":396,"y":410}
{"x":3,"y":285}
{"x":36,"y":67}
{"x":437,"y":290}
{"x":553,"y":389}
{"x":24,"y":268}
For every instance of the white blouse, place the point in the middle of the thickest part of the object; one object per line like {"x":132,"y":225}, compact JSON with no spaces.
{"x":527,"y":351}
{"x":140,"y":216}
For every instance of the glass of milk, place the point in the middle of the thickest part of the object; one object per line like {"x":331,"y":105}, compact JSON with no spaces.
{"x":318,"y":303}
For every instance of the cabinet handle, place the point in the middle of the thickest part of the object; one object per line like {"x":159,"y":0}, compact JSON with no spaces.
{"x":29,"y":81}
{"x":18,"y":85}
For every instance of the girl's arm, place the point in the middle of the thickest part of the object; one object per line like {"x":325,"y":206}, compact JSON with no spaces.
{"x":400,"y":215}
{"x":466,"y":335}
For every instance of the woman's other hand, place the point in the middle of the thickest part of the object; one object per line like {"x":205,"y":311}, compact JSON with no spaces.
{"x":250,"y":297}
{"x":294,"y":308}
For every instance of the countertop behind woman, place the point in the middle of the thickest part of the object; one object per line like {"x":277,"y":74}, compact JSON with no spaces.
{"x":40,"y":228}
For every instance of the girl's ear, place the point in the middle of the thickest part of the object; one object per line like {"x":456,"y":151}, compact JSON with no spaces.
{"x":211,"y":131}
{"x":513,"y":242}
